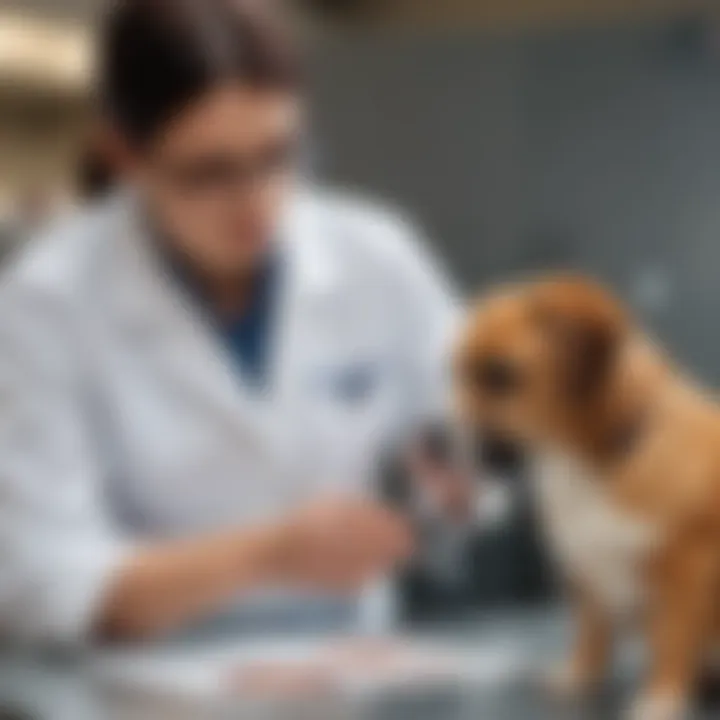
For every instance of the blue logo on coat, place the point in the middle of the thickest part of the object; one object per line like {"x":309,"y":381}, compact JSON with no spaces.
{"x":353,"y":384}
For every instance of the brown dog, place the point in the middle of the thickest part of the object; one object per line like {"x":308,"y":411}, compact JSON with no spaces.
{"x":625,"y":457}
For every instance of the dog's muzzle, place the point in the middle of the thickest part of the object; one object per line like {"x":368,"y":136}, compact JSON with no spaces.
{"x":500,"y":455}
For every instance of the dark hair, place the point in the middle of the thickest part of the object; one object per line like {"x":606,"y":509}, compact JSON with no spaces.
{"x":94,"y":176}
{"x":159,"y":55}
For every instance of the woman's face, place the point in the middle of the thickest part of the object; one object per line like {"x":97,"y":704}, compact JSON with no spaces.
{"x":217,"y":176}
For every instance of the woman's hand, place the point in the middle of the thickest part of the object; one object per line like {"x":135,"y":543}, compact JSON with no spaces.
{"x":334,"y":546}
{"x":339,"y":545}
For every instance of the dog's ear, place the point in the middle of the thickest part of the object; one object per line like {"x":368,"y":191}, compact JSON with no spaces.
{"x":585,"y":327}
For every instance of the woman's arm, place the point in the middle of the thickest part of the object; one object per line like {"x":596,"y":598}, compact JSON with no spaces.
{"x":336,"y":545}
{"x":66,"y":575}
{"x":161,"y":588}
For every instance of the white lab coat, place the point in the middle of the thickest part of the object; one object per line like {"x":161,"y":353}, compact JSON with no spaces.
{"x":122,"y":417}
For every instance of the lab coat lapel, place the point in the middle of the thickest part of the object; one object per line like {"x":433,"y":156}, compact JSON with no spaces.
{"x":167,"y":323}
{"x":312,"y":279}
{"x":185,"y":345}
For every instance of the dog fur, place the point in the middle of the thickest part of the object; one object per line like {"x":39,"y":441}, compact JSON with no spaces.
{"x":625,"y":459}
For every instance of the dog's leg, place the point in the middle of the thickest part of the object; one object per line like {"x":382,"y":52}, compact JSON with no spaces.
{"x":680,"y":620}
{"x":587,"y":663}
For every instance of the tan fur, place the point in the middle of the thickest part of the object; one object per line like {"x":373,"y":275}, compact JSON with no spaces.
{"x":667,"y":482}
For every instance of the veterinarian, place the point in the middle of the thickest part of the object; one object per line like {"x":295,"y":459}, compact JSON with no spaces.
{"x":199,"y":373}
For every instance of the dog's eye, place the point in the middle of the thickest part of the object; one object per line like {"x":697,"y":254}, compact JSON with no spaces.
{"x":496,"y":377}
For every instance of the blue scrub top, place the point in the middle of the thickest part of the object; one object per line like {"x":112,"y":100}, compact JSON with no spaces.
{"x":248,"y":336}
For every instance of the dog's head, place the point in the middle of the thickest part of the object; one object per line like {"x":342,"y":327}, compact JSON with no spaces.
{"x":534,"y":362}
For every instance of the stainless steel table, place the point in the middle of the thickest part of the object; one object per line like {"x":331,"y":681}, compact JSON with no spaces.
{"x":65,"y":688}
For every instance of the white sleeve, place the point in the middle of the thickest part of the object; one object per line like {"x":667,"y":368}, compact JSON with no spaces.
{"x":431,"y":313}
{"x":57,"y":549}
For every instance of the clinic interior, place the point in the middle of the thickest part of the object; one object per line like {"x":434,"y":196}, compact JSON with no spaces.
{"x":522,"y":133}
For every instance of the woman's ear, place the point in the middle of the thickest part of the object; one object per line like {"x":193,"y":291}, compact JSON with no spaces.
{"x":586,"y":327}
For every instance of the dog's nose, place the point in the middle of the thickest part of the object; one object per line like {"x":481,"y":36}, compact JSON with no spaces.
{"x":500,"y":455}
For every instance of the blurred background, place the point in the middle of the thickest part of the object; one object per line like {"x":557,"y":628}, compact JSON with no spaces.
{"x":522,"y":134}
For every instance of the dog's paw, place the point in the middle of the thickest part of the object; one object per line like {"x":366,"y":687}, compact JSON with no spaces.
{"x":658,"y":706}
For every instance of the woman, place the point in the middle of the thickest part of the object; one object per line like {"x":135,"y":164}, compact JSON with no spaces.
{"x":192,"y":369}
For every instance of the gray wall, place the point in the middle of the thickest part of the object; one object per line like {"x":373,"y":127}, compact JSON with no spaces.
{"x":598,"y":150}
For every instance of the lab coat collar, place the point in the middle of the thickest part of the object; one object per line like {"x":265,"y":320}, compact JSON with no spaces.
{"x":301,"y":236}
{"x":155,"y":308}
{"x":312,"y":269}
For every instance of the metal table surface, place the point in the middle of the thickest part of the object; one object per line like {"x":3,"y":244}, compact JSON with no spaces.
{"x":65,"y":688}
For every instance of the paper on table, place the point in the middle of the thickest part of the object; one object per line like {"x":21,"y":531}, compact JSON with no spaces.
{"x":398,"y":662}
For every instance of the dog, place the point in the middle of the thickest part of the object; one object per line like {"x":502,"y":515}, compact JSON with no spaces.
{"x":623,"y":453}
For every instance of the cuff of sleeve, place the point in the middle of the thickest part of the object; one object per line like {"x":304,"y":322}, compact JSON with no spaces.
{"x":76,"y":604}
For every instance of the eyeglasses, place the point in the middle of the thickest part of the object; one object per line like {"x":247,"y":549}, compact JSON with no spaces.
{"x":222,"y":174}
